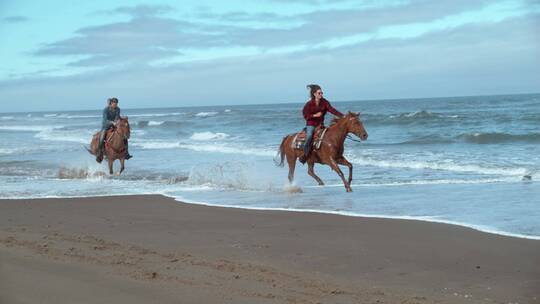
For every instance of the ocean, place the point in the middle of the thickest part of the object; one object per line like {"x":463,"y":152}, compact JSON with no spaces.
{"x":471,"y":161}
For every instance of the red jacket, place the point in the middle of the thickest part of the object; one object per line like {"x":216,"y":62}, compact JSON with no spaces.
{"x":311,"y":108}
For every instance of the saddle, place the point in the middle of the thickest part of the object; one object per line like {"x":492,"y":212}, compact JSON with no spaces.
{"x":299,"y":139}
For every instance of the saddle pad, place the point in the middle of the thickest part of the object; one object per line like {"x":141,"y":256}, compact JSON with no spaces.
{"x":299,"y":139}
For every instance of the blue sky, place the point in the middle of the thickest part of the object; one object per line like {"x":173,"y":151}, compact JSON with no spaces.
{"x":58,"y":55}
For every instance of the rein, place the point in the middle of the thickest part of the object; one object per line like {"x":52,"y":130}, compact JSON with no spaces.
{"x":115,"y":132}
{"x":351,"y":138}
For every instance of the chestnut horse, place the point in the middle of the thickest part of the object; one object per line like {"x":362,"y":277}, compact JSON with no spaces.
{"x":331,"y":150}
{"x":115,"y":143}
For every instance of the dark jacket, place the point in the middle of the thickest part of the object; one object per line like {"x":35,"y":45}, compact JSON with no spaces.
{"x":311,"y":108}
{"x":109,"y":117}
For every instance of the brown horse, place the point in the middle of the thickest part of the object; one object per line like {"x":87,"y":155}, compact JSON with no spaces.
{"x":115,"y":143}
{"x":330,"y":151}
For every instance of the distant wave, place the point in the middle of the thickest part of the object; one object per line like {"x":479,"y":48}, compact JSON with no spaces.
{"x":155,"y":123}
{"x":7,"y":151}
{"x":475,"y":138}
{"x":156,"y":114}
{"x":7,"y":117}
{"x":495,"y":137}
{"x":29,"y":128}
{"x":82,"y":116}
{"x":229,"y":149}
{"x":153,"y":145}
{"x":74,"y":116}
{"x":206,"y":114}
{"x":428,"y":139}
{"x":70,"y":135}
{"x":420,"y":117}
{"x":201,"y":136}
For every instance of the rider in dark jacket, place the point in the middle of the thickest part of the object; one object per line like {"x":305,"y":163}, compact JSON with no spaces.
{"x":111,"y":114}
{"x":314,"y":111}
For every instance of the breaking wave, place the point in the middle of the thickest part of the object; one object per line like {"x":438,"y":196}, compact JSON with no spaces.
{"x":495,"y":138}
{"x":201,"y":136}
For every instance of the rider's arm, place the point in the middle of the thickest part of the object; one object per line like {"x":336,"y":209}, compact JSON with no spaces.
{"x":117,"y":116}
{"x":331,"y":109}
{"x":105,"y":121}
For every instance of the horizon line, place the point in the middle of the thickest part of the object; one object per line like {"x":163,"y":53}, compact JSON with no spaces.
{"x":283,"y":103}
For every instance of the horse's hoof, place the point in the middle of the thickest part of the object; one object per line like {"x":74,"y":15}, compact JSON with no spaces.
{"x":321,"y":184}
{"x":349,"y":190}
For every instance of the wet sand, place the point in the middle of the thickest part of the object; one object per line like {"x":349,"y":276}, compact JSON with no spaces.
{"x":152,"y":249}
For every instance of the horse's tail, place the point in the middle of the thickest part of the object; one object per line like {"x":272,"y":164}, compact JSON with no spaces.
{"x":280,"y":153}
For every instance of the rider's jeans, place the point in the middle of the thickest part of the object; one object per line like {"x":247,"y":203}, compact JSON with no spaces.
{"x":102,"y":137}
{"x":309,"y":139}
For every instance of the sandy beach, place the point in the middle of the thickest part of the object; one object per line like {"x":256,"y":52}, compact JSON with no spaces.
{"x":153,"y":249}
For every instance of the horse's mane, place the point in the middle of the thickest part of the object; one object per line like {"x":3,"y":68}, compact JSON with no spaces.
{"x":336,"y":120}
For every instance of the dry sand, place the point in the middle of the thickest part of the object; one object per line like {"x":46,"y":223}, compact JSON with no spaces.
{"x":152,"y":249}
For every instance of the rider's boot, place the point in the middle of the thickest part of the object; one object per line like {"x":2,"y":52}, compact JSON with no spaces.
{"x":128,"y":156}
{"x":303,"y":158}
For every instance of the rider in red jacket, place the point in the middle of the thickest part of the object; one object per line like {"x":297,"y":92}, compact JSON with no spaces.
{"x":314,"y":111}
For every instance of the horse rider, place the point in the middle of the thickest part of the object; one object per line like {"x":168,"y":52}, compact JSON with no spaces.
{"x":111,"y":114}
{"x":314,"y":111}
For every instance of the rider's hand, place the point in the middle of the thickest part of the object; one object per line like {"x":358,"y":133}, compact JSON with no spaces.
{"x":318,"y":114}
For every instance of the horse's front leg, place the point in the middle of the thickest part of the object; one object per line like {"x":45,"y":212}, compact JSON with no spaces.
{"x":343,"y":161}
{"x":336,"y":168}
{"x":121,"y":165}
{"x":110,"y":165}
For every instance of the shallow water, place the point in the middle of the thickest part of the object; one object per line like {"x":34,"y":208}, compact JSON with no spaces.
{"x":467,"y":160}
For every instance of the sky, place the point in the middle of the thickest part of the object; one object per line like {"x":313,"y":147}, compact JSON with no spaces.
{"x":62,"y":55}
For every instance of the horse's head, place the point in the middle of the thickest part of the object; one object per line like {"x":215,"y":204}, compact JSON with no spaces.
{"x":122,"y":126}
{"x":355,"y":125}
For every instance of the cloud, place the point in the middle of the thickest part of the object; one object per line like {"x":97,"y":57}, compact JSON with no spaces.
{"x":137,"y":41}
{"x":472,"y":59}
{"x":469,"y":57}
{"x":148,"y":37}
{"x":15,"y":19}
{"x":139,"y":10}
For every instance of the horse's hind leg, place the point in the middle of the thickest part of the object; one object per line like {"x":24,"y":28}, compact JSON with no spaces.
{"x":312,"y":173}
{"x":291,"y":160}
